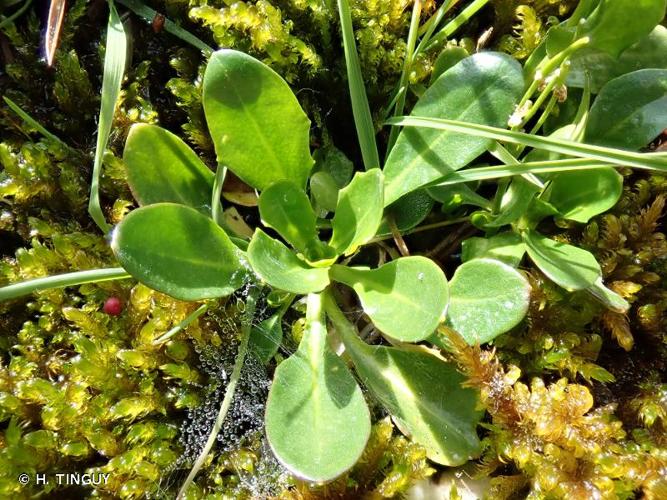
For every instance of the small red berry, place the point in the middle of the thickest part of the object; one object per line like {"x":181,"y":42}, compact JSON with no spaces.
{"x":113,"y":306}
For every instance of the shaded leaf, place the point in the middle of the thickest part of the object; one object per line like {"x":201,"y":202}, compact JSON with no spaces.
{"x":568,"y":266}
{"x":579,"y":196}
{"x":162,"y":168}
{"x":649,"y":52}
{"x":630,"y":111}
{"x":617,"y":24}
{"x":505,"y":247}
{"x":266,"y":337}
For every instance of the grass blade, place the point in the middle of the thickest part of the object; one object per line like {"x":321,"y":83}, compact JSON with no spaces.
{"x":450,"y":28}
{"x":360,"y":108}
{"x":114,"y":67}
{"x":617,"y":157}
{"x":32,"y":122}
{"x":148,"y":14}
{"x":405,"y":74}
{"x":62,"y":280}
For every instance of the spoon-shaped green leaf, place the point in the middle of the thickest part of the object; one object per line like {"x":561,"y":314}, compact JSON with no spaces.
{"x":317,"y":421}
{"x":630,"y":110}
{"x":177,"y":250}
{"x":285,"y":207}
{"x":480,"y":89}
{"x":358,"y":211}
{"x":487,"y":298}
{"x":405,"y":298}
{"x":506,"y":247}
{"x":281,"y":268}
{"x":162,"y":168}
{"x":258,"y":127}
{"x":617,"y":24}
{"x":568,"y":266}
{"x":579,"y":196}
{"x":422,"y":392}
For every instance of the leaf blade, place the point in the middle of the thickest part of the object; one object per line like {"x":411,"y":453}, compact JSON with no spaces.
{"x":252,"y":114}
{"x":178,"y":251}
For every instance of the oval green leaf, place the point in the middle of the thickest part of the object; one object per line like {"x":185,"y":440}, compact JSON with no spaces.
{"x":630,"y":111}
{"x":178,"y":251}
{"x":487,"y":299}
{"x":358,"y":212}
{"x":480,"y":89}
{"x":405,"y":298}
{"x":258,"y":127}
{"x":649,"y":52}
{"x":505,"y":247}
{"x":579,"y":196}
{"x":422,"y":392}
{"x":286,"y":208}
{"x":617,"y":24}
{"x":162,"y":168}
{"x":281,"y":268}
{"x":568,"y":266}
{"x":317,"y":421}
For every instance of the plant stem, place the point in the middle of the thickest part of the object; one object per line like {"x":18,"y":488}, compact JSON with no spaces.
{"x":148,"y":14}
{"x":183,"y":324}
{"x":405,"y":74}
{"x":453,"y":25}
{"x":216,"y":204}
{"x":345,"y":330}
{"x":547,"y":66}
{"x":251,"y":302}
{"x":421,"y":229}
{"x":10,"y":19}
{"x":62,"y":280}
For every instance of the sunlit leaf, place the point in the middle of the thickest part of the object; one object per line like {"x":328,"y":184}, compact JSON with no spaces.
{"x":406,"y":298}
{"x":281,"y":268}
{"x":487,"y":298}
{"x":258,"y":127}
{"x":358,"y":212}
{"x":317,"y":421}
{"x":481,"y":89}
{"x":285,"y":207}
{"x":177,"y":250}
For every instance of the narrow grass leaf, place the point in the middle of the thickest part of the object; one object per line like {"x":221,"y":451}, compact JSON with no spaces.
{"x":618,"y":157}
{"x":114,"y":67}
{"x":148,"y":14}
{"x":360,"y":108}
